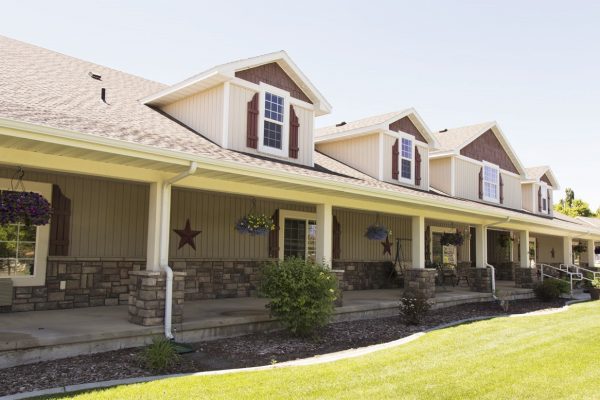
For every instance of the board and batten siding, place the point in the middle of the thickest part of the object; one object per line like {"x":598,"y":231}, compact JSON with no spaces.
{"x":216,"y":214}
{"x":527,"y":197}
{"x":238,"y":109}
{"x":545,"y":245}
{"x":388,"y":143}
{"x":440,"y":171}
{"x":108,"y":218}
{"x":354,"y":246}
{"x":361,"y":153}
{"x":203,"y":112}
{"x":513,"y":194}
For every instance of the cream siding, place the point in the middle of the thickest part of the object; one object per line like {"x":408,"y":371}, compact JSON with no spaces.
{"x":512,"y":191}
{"x":361,"y":153}
{"x":238,"y":110}
{"x":545,"y":245}
{"x":527,"y":195}
{"x":440,"y":174}
{"x":108,"y":218}
{"x":203,"y":112}
{"x":215,"y":215}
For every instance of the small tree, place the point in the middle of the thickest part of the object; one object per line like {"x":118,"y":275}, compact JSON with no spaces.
{"x":573,"y":207}
{"x":301,"y":294}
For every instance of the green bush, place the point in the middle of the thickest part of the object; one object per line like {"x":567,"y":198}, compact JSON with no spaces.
{"x":413,"y":309}
{"x":551,"y":289}
{"x":301,"y":294}
{"x":161,"y":355}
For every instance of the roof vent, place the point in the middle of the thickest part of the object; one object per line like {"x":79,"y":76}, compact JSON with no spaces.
{"x":341,"y":123}
{"x":444,"y":130}
{"x":103,"y":95}
{"x":95,"y":76}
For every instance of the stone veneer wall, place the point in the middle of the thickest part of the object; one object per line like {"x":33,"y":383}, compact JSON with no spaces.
{"x":147,"y":297}
{"x":420,"y":282}
{"x":505,"y":271}
{"x":480,"y":279}
{"x":526,"y":277}
{"x":89,"y":282}
{"x":364,"y":275}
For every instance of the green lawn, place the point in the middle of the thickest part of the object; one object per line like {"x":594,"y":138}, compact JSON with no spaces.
{"x":555,"y":356}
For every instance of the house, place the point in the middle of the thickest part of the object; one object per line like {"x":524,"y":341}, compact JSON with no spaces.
{"x":148,"y":181}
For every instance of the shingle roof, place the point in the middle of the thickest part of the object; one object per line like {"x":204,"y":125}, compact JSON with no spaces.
{"x":360,"y":123}
{"x":536,"y":172}
{"x":452,"y":139}
{"x":43,"y":87}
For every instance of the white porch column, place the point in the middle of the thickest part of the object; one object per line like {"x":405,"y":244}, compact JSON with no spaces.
{"x":480,"y":246}
{"x":324,"y":233}
{"x":524,"y":249}
{"x":154,"y":222}
{"x":591,"y":256}
{"x":165,"y":224}
{"x":567,"y":250}
{"x":418,"y":242}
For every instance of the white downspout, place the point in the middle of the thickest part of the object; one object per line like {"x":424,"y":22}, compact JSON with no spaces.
{"x":491,"y":267}
{"x":165,"y":217}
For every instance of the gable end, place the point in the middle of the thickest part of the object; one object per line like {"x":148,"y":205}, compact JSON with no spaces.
{"x":488,"y":148}
{"x":545,"y":178}
{"x":272,"y":74}
{"x":406,"y":125}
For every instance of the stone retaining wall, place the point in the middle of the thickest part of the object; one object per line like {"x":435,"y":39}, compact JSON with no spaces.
{"x":364,"y":275}
{"x":89,"y":282}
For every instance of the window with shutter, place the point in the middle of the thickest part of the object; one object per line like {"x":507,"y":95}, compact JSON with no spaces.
{"x":60,"y":223}
{"x":491,"y":182}
{"x":417,"y":167}
{"x":274,"y":236}
{"x":540,"y":199}
{"x":294,"y":125}
{"x":481,"y":183}
{"x":549,"y":195}
{"x":337,"y":233}
{"x":252,"y":123}
{"x":275,"y":121}
{"x":395,"y":155}
{"x":501,"y":189}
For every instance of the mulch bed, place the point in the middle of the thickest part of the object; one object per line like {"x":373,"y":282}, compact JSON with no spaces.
{"x":246,"y":351}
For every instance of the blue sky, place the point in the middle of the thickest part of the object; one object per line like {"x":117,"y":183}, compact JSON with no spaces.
{"x":533,"y":66}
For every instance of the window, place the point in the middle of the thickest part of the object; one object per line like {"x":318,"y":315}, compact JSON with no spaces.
{"x":491,"y":182}
{"x":274,"y":105}
{"x":406,"y":160}
{"x":299,"y":235}
{"x":24,"y":249}
{"x":442,"y":254}
{"x":17,"y":250}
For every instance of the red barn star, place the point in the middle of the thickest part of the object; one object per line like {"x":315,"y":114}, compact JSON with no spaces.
{"x":187,"y":235}
{"x":387,"y":246}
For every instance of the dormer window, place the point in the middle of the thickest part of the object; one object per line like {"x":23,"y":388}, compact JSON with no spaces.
{"x":406,"y":160}
{"x":274,"y":135}
{"x":491,"y":182}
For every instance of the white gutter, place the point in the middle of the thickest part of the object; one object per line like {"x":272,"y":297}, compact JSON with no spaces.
{"x":165,"y":215}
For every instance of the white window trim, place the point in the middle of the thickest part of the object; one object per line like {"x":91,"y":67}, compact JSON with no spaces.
{"x":411,"y":181}
{"x":497,"y":168}
{"x":544,"y":189}
{"x":285,"y":134}
{"x":290,"y":214}
{"x":440,"y":229}
{"x":42,"y":238}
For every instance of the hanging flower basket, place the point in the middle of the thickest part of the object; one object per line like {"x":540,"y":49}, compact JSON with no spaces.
{"x":504,"y":240}
{"x":377,"y":232}
{"x":28,"y":208}
{"x":452,"y":239}
{"x":255,"y":224}
{"x":579,"y":248}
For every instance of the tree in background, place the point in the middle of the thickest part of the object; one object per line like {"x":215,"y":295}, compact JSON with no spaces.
{"x":573,"y":207}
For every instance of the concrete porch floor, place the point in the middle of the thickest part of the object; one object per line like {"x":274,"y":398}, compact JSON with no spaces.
{"x":29,"y":337}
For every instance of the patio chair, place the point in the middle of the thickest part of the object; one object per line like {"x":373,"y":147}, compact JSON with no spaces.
{"x":445,"y":272}
{"x":462,"y":274}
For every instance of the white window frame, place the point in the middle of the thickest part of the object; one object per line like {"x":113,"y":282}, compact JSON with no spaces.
{"x":544,"y":192}
{"x":440,"y":229}
{"x":400,"y":158}
{"x":497,"y":168}
{"x":285,"y":134}
{"x":290,"y":214}
{"x":42,"y":238}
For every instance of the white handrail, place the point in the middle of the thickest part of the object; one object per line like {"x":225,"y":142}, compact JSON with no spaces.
{"x":491,"y":267}
{"x":578,"y":269}
{"x":562,"y":268}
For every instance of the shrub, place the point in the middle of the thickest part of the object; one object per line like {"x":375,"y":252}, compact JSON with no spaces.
{"x":413,"y":309}
{"x":301,"y":294}
{"x":161,"y":355}
{"x":551,"y":289}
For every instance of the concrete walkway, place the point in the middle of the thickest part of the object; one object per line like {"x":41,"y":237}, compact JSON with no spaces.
{"x":28,"y":337}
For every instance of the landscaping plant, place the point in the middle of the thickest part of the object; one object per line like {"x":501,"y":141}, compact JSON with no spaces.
{"x":595,"y":289}
{"x":301,"y":294}
{"x":551,"y":289}
{"x":413,"y":309}
{"x":161,"y":355}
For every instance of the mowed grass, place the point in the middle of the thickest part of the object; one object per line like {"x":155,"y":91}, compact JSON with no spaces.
{"x":553,"y":356}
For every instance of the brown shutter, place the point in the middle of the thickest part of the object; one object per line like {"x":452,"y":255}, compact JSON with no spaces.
{"x":481,"y":183}
{"x":549,"y":204}
{"x":252,"y":123}
{"x":417,"y":166}
{"x":540,"y":199}
{"x":395,"y":154}
{"x":336,"y":239}
{"x":501,"y":188}
{"x":60,"y":223}
{"x":274,"y":236}
{"x":294,"y":124}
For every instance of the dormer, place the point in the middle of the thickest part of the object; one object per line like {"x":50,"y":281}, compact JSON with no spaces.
{"x":538,"y":190}
{"x":476,"y":162}
{"x":392,"y":147}
{"x":263,"y":105}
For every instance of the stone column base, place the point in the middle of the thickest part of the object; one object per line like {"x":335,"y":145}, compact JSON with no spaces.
{"x":526,"y":277}
{"x":419,"y":282}
{"x":480,"y":279}
{"x":339,"y":274}
{"x":147,"y":297}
